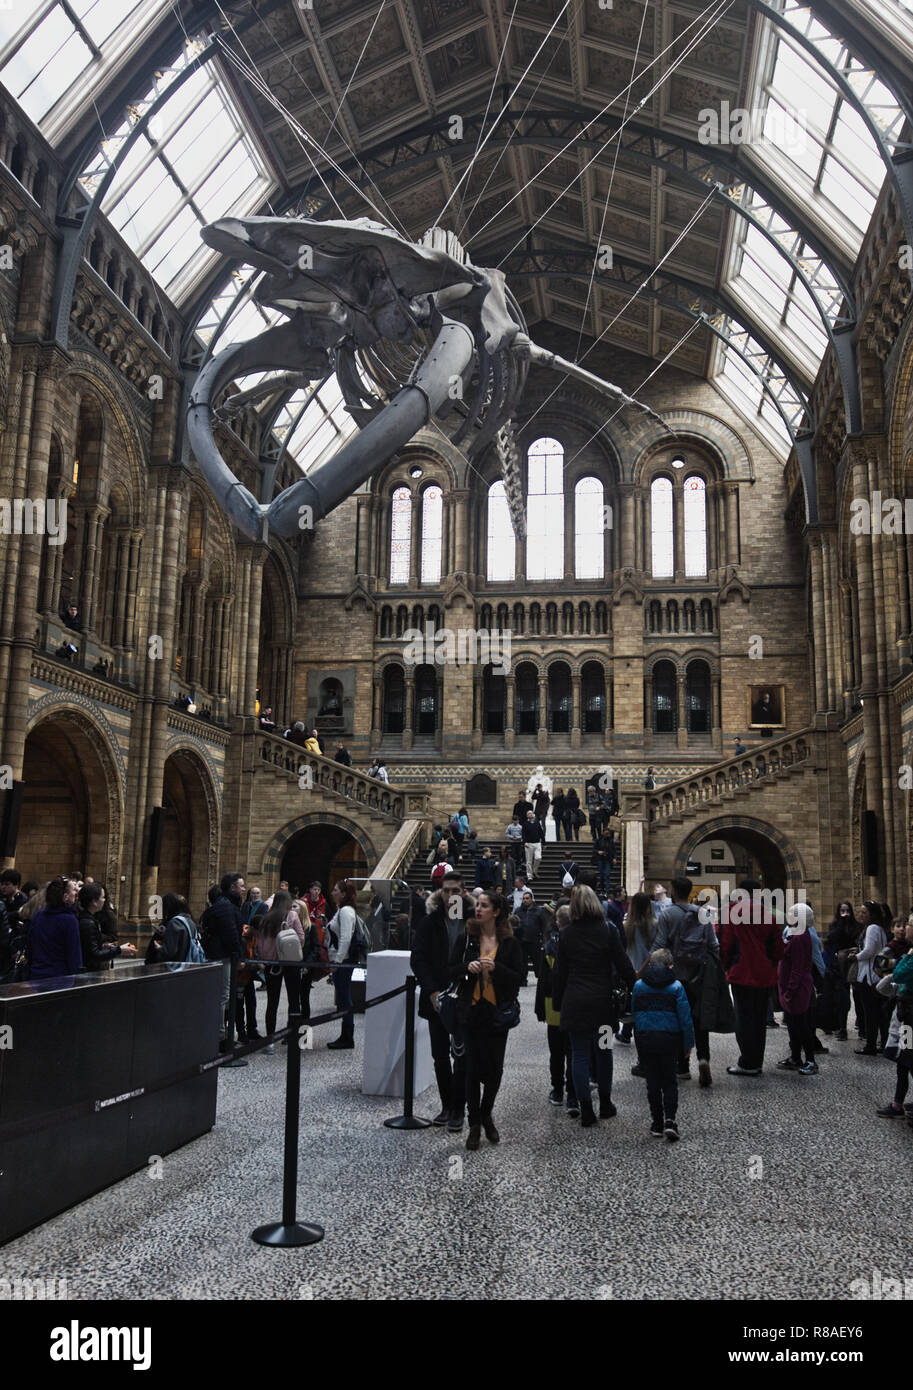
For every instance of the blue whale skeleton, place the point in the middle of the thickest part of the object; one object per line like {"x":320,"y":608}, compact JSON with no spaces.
{"x":414,"y":332}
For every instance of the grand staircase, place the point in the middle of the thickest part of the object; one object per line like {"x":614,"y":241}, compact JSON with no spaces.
{"x":547,"y":883}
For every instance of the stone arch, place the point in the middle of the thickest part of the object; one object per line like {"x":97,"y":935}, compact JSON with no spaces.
{"x":78,"y":757}
{"x":727,"y":448}
{"x":189,"y":791}
{"x":858,"y":805}
{"x":271,"y":857}
{"x":98,"y":377}
{"x":792,"y":860}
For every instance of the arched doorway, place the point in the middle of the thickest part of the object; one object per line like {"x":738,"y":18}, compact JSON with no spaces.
{"x":592,"y":697}
{"x":425,"y":700}
{"x":70,"y":817}
{"x":559,"y":697}
{"x":527,"y":700}
{"x":394,"y":700}
{"x":187,"y":831}
{"x":732,"y":848}
{"x":665,"y":712}
{"x":494,"y":699}
{"x":697,"y":697}
{"x":323,"y":852}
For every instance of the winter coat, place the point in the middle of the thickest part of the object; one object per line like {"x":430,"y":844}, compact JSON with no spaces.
{"x":486,"y":872}
{"x":53,"y":943}
{"x":520,"y":809}
{"x":662,"y":1014}
{"x":545,"y":1005}
{"x":221,"y":926}
{"x":533,"y":834}
{"x":542,"y":804}
{"x":751,"y":950}
{"x":590,"y":959}
{"x":435,"y":937}
{"x":558,"y":806}
{"x":509,"y":971}
{"x":903,"y":976}
{"x":531,"y":925}
{"x":794,"y":976}
{"x":572,"y":803}
{"x":96,"y":954}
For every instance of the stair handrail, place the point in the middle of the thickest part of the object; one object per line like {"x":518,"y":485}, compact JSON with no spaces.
{"x":730,"y":774}
{"x":385,"y":798}
{"x":395,"y":860}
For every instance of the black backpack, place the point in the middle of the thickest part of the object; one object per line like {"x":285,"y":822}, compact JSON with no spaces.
{"x":689,"y":946}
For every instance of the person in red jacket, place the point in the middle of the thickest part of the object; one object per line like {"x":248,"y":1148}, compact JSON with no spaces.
{"x":796,"y":987}
{"x":750,"y":948}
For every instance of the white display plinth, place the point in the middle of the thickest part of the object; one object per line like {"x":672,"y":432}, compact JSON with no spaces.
{"x":551,"y":829}
{"x":385,"y":1030}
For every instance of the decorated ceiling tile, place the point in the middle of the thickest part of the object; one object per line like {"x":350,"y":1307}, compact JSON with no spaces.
{"x":366,"y":43}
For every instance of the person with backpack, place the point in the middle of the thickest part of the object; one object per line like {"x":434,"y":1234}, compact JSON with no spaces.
{"x":279,"y":937}
{"x":664,"y":1033}
{"x":559,"y":1042}
{"x":751,"y":947}
{"x":444,"y":924}
{"x":343,"y":924}
{"x":681,"y":930}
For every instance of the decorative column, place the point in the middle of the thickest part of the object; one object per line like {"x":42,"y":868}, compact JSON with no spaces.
{"x":568,"y":538}
{"x":510,"y":716}
{"x":648,"y":710}
{"x":904,"y":626}
{"x":609,"y":732}
{"x":732,"y":523}
{"x":818,"y":631}
{"x":459,"y":503}
{"x":409,"y":721}
{"x":376,"y":710}
{"x":716,"y":713}
{"x":682,"y":731}
{"x":95,"y":520}
{"x":477,"y":712}
{"x":627,"y":526}
{"x":678,"y":528}
{"x":542,"y":738}
{"x":576,"y":732}
{"x":415,"y":542}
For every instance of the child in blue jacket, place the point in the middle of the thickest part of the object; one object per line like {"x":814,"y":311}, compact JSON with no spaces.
{"x":662,"y":1026}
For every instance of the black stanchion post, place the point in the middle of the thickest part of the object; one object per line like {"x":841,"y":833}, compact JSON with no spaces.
{"x":407,"y":1120}
{"x":232,"y":1011}
{"x":289,"y":1232}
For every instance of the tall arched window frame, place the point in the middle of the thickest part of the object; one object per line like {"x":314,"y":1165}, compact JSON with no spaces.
{"x":545,"y":510}
{"x":662,"y":529}
{"x":400,"y":535}
{"x":501,"y":551}
{"x":694,"y":507}
{"x":432,"y":534}
{"x":589,"y":528}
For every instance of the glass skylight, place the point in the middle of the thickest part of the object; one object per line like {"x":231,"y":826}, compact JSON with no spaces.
{"x":46,"y":48}
{"x":193,"y":164}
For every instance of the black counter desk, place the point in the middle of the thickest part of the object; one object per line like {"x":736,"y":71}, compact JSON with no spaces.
{"x":82,"y":1065}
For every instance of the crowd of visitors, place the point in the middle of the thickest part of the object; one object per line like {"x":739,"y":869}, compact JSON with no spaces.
{"x":662,"y":971}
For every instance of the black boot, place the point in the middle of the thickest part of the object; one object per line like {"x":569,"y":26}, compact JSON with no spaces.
{"x":587,"y":1114}
{"x":607,"y":1110}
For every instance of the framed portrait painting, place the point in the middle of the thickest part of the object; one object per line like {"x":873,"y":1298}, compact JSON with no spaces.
{"x":767,"y":707}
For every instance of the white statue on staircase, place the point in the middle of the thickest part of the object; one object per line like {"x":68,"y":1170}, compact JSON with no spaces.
{"x":541,"y":779}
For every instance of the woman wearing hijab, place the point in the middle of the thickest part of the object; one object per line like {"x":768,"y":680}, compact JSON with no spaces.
{"x":795,"y":982}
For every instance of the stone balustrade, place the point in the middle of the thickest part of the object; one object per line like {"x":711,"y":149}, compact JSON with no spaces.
{"x":713,"y":783}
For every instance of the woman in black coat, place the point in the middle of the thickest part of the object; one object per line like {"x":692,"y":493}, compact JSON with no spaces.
{"x":590,"y":961}
{"x":490,"y":963}
{"x":571,"y":807}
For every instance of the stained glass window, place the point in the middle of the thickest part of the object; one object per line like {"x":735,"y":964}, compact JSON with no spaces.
{"x":400,"y":535}
{"x":695,"y":518}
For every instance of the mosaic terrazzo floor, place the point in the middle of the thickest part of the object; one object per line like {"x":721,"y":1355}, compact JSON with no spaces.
{"x":777,"y":1190}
